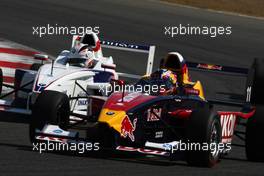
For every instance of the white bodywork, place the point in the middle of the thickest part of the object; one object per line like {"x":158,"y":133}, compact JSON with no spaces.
{"x":63,"y":77}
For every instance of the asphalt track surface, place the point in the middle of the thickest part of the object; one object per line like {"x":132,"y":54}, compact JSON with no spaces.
{"x":133,"y":22}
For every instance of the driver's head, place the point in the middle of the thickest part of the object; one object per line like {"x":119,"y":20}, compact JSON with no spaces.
{"x":168,"y":76}
{"x":174,"y":61}
{"x":88,"y":54}
{"x":89,"y":59}
{"x":84,"y":52}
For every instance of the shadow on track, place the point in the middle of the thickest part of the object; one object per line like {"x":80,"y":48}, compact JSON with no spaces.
{"x":114,"y":156}
{"x":118,"y":156}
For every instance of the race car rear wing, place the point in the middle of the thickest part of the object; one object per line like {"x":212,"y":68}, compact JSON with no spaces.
{"x":149,"y":50}
{"x":218,"y":68}
{"x":229,"y":70}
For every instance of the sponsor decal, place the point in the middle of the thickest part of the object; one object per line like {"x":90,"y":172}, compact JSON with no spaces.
{"x":159,"y":134}
{"x":110,"y":113}
{"x":210,"y":67}
{"x":127,"y":128}
{"x":228,"y":123}
{"x":40,"y":87}
{"x":82,"y":102}
{"x":167,"y":146}
{"x":154,"y":114}
{"x":58,"y":131}
{"x":249,"y":92}
{"x":119,"y":44}
{"x":178,"y":100}
{"x":141,"y":150}
{"x":192,"y":91}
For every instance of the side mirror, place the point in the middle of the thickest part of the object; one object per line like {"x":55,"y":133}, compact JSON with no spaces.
{"x":42,"y":57}
{"x":118,"y":82}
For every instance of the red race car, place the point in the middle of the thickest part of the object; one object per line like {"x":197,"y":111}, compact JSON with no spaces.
{"x":160,"y":117}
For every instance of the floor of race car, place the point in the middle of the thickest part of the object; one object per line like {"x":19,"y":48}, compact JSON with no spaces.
{"x":17,"y":157}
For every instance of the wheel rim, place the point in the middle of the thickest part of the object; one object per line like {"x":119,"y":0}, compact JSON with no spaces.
{"x":215,"y":139}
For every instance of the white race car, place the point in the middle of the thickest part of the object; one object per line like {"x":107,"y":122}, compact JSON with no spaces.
{"x":80,"y":72}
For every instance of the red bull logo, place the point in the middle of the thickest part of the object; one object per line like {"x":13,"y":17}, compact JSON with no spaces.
{"x":210,"y":67}
{"x":127,"y":128}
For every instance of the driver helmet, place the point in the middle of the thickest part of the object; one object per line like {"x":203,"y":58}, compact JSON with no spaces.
{"x":87,"y":54}
{"x":168,"y":75}
{"x":175,"y":62}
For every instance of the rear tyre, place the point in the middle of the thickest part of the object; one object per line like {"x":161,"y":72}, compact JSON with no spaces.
{"x":51,"y":107}
{"x":255,"y":82}
{"x":254,"y":136}
{"x":203,"y":127}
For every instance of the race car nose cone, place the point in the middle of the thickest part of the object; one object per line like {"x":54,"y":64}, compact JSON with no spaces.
{"x":112,"y":118}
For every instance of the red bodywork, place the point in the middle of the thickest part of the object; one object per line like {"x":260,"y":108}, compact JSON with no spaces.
{"x":124,"y":102}
{"x":210,"y":67}
{"x":129,"y":101}
{"x":127,"y":128}
{"x":229,"y":122}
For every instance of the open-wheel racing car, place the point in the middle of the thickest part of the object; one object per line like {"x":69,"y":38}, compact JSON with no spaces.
{"x":83,"y":67}
{"x":160,"y":121}
{"x":78,"y":72}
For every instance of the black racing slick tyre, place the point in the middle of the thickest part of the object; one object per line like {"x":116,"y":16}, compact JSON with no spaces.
{"x":254,"y":136}
{"x":1,"y":81}
{"x":203,"y":128}
{"x":35,"y":66}
{"x":255,"y":86}
{"x":51,"y":107}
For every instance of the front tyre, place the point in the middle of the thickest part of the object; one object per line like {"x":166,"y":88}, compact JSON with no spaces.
{"x":255,"y":81}
{"x":51,"y":107}
{"x":203,"y":128}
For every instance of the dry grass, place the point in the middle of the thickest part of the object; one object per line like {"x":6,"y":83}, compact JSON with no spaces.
{"x":248,"y":7}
